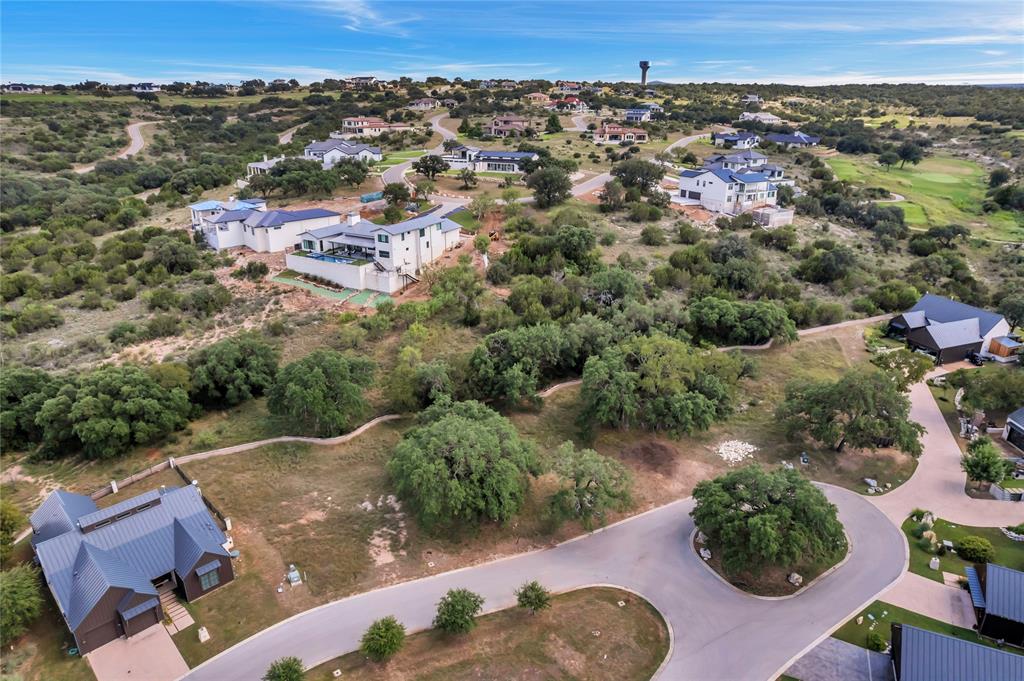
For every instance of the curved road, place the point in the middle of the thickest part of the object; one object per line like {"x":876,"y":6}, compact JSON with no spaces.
{"x":136,"y":142}
{"x":718,"y":632}
{"x":397,"y":173}
{"x":286,"y":136}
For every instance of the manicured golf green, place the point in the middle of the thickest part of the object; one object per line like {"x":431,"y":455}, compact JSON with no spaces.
{"x":940,"y":190}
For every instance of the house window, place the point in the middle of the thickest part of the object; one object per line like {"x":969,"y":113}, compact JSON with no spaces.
{"x":209,"y":580}
{"x":428,"y":245}
{"x":308,"y":245}
{"x":423,"y":231}
{"x":382,"y":238}
{"x":383,"y":254}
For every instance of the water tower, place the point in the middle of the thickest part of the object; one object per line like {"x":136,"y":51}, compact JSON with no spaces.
{"x":644,"y":66}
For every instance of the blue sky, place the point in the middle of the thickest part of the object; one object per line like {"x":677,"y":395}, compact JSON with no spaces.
{"x":801,"y":42}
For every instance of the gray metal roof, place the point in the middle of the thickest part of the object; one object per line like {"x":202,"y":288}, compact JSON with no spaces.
{"x":130,"y":552}
{"x":955,"y":333}
{"x":142,"y":607}
{"x":274,"y":218}
{"x":233,"y":215}
{"x":1017,"y":417}
{"x":120,"y":507}
{"x":974,"y":586}
{"x":940,"y":309}
{"x":1004,"y":592}
{"x":420,"y":222}
{"x":915,"y":319}
{"x":342,"y":146}
{"x":58,"y":513}
{"x":927,"y":656}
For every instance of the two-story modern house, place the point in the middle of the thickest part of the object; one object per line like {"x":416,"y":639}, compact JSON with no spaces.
{"x":107,"y":568}
{"x":760,"y":117}
{"x":359,"y":254}
{"x":638,"y":115}
{"x":727,"y":191}
{"x":366,"y":126}
{"x":206,"y":210}
{"x":486,"y":160}
{"x":333,"y":151}
{"x":264,"y":231}
{"x":736,"y":140}
{"x":739,"y":160}
{"x":613,"y":133}
{"x":423,"y":104}
{"x":508,"y":125}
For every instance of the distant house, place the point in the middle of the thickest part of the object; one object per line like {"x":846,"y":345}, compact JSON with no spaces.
{"x":23,"y":89}
{"x":262,"y":167}
{"x":333,"y":151}
{"x":508,"y":125}
{"x":921,"y":655}
{"x":264,"y":231}
{"x":357,"y":82}
{"x":205,"y":210}
{"x":145,"y":87}
{"x":736,"y":140}
{"x":739,"y":160}
{"x":612,"y":133}
{"x":107,"y":568}
{"x":569,"y":105}
{"x":450,"y":103}
{"x":947,"y":329}
{"x":751,"y":98}
{"x":1013,"y":431}
{"x":537,"y":98}
{"x":424,"y":104}
{"x":651,"y":106}
{"x":795,"y":140}
{"x":639,"y":115}
{"x":568,"y":87}
{"x":760,"y":117}
{"x":997,"y":594}
{"x":358,"y":254}
{"x":485,"y":160}
{"x":366,"y":126}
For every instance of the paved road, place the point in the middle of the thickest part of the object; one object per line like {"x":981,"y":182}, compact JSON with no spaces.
{"x":286,"y":136}
{"x":718,"y":632}
{"x":136,"y":143}
{"x":397,"y":173}
{"x":684,"y":141}
{"x":938,"y":483}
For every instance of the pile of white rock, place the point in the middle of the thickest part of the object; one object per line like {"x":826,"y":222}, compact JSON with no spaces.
{"x":735,"y":451}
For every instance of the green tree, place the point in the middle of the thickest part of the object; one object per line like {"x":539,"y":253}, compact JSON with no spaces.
{"x":904,"y":367}
{"x":533,"y":596}
{"x":593,"y":484}
{"x":638,"y":173}
{"x":11,"y":522}
{"x":551,"y":186}
{"x":23,"y":391}
{"x":233,"y":370}
{"x":396,"y":193}
{"x":482,"y":206}
{"x":948,"y":234}
{"x":553,"y":125}
{"x":481,"y":243}
{"x":285,"y":669}
{"x":468,"y":177}
{"x":457,"y":611}
{"x":322,"y":392}
{"x":21,"y":601}
{"x":383,"y":639}
{"x":351,"y":173}
{"x":909,"y":151}
{"x":756,"y":519}
{"x":613,"y":198}
{"x":459,"y":288}
{"x":863,"y":408}
{"x":462,"y":462}
{"x":888,"y":159}
{"x":430,"y":166}
{"x":999,"y":176}
{"x":1012,"y":307}
{"x":983,"y":462}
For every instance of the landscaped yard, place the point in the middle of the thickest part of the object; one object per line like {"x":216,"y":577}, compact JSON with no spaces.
{"x":558,"y":643}
{"x":1008,"y":553}
{"x":854,"y":633}
{"x":940,"y":190}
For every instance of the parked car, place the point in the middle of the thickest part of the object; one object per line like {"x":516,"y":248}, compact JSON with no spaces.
{"x":976,"y":359}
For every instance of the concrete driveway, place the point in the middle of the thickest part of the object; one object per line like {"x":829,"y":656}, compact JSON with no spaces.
{"x":397,"y":173}
{"x":835,"y":660}
{"x":719,"y":633}
{"x":148,"y":656}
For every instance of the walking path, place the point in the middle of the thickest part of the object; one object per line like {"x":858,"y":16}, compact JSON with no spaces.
{"x":709,"y":620}
{"x":286,"y":136}
{"x":136,"y":143}
{"x":934,"y":599}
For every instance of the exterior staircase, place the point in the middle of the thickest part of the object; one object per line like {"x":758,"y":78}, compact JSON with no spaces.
{"x":175,"y":611}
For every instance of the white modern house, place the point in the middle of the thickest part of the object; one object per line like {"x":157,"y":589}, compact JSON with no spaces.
{"x":22,"y":88}
{"x":796,"y":140}
{"x":760,"y":117}
{"x":726,"y":191}
{"x":207,"y":210}
{"x":333,"y":151}
{"x":366,"y":126}
{"x":638,"y":115}
{"x":741,"y":159}
{"x":424,"y":104}
{"x":486,"y":160}
{"x":264,"y":231}
{"x":359,"y":254}
{"x":751,"y":98}
{"x":262,"y":167}
{"x":737,"y":140}
{"x":145,"y":87}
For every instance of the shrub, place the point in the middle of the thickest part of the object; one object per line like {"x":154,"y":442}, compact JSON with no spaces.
{"x":877,"y":642}
{"x":383,"y":639}
{"x":35,"y":316}
{"x":533,"y":596}
{"x":20,"y":601}
{"x":1017,"y":529}
{"x":457,"y":611}
{"x":652,"y":235}
{"x":285,"y":669}
{"x":925,"y":544}
{"x":975,"y":549}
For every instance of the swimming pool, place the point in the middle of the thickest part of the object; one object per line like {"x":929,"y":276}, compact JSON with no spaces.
{"x":330,"y":258}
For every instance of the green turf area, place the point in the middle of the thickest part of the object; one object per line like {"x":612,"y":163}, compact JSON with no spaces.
{"x":344,"y":294}
{"x":466,"y":219}
{"x":1012,"y":483}
{"x":940,"y":190}
{"x":903,"y":120}
{"x":1008,"y":552}
{"x":854,"y":633}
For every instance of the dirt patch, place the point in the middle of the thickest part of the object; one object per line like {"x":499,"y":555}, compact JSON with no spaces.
{"x":655,"y":455}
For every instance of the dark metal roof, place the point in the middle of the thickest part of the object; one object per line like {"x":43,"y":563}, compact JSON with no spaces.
{"x":1017,"y":417}
{"x":274,"y":218}
{"x":142,"y":607}
{"x":129,"y":553}
{"x":927,"y":656}
{"x":208,"y":567}
{"x":58,"y":513}
{"x":111,"y":512}
{"x":940,"y":309}
{"x":1004,"y":592}
{"x":954,"y":334}
{"x":974,"y":585}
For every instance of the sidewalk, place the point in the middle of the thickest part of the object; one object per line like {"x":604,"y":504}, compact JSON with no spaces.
{"x":933,"y":599}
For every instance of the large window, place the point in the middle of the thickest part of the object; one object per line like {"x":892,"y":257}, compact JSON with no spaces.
{"x":383,"y":254}
{"x":209,"y":580}
{"x":382,"y":238}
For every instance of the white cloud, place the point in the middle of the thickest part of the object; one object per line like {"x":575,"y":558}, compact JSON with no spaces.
{"x":980,"y":39}
{"x":994,"y":53}
{"x":359,"y":16}
{"x":850,"y":78}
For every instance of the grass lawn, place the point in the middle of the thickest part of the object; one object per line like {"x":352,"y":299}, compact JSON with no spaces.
{"x":1008,"y":553}
{"x":466,"y":219}
{"x":854,"y":633}
{"x":558,"y":643}
{"x":940,"y":190}
{"x":902,"y":120}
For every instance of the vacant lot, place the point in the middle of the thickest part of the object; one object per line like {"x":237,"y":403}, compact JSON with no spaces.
{"x":940,"y":190}
{"x":584,"y":635}
{"x":1008,"y":553}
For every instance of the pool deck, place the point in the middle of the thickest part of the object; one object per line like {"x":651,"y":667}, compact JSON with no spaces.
{"x":365,"y":298}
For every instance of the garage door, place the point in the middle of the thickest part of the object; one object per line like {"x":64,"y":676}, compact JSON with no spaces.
{"x":142,"y":621}
{"x":99,"y":635}
{"x":693,"y":195}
